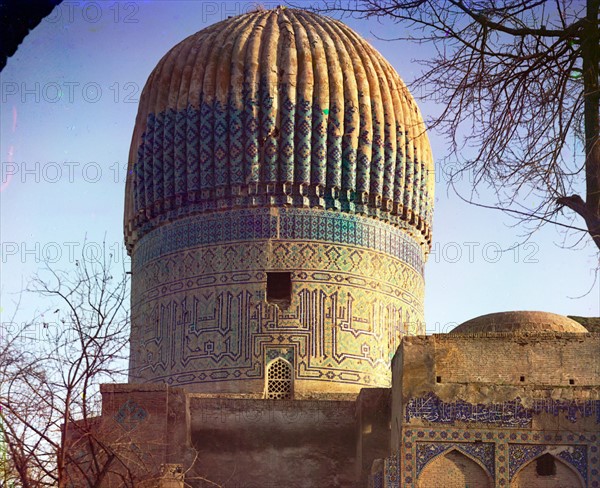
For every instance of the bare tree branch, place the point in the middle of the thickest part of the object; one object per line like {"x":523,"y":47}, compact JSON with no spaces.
{"x":518,"y":83}
{"x":50,"y":374}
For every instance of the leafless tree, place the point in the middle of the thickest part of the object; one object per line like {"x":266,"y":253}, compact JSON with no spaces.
{"x":518,"y":83}
{"x":50,"y":371}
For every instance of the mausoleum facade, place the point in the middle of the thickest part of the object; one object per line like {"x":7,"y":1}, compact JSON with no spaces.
{"x":278,"y":213}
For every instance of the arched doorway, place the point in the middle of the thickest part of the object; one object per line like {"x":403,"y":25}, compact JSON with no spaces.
{"x":453,"y":470}
{"x":279,"y":380}
{"x":546,"y":471}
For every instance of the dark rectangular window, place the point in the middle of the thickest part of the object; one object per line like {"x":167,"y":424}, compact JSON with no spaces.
{"x":545,"y":465}
{"x":279,"y":287}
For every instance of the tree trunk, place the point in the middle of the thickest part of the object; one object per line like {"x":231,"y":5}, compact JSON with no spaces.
{"x":590,"y":50}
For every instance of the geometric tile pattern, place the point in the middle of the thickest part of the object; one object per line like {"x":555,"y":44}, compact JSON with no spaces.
{"x":391,"y":470}
{"x":157,"y":176}
{"x":520,"y":454}
{"x":507,"y":414}
{"x":130,"y":415}
{"x":484,"y":452}
{"x":377,"y":480}
{"x":200,"y":314}
{"x":576,"y":456}
{"x":280,"y":352}
{"x":277,"y":124}
{"x":426,"y":451}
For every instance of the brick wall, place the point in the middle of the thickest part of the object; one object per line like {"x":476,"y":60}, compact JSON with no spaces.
{"x":552,"y":359}
{"x":557,"y":360}
{"x":454,"y":470}
{"x":244,"y":443}
{"x":146,"y":424}
{"x":372,"y":429}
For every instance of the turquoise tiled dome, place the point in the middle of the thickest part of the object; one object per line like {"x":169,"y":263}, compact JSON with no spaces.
{"x":278,"y":108}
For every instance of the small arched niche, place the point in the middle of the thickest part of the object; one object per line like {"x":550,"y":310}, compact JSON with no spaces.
{"x":546,"y":471}
{"x":280,"y":380}
{"x":453,"y":470}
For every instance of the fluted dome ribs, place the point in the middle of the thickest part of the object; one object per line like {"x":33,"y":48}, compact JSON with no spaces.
{"x":279,"y":107}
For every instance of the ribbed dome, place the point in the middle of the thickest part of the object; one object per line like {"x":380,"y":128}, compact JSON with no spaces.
{"x":519,"y":322}
{"x":278,"y":108}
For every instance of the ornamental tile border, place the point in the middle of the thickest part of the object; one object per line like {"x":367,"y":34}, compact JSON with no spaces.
{"x":292,"y":224}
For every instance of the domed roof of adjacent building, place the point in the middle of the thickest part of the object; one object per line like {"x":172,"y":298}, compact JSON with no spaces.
{"x":278,"y":108}
{"x":519,"y":322}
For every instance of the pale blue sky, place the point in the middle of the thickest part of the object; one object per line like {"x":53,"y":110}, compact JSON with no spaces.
{"x":68,"y":107}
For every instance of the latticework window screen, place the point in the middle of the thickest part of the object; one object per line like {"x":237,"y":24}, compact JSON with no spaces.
{"x":279,"y":380}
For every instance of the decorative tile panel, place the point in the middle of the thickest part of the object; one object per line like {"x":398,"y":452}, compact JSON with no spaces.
{"x":576,"y":456}
{"x":130,"y":415}
{"x":200,"y":315}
